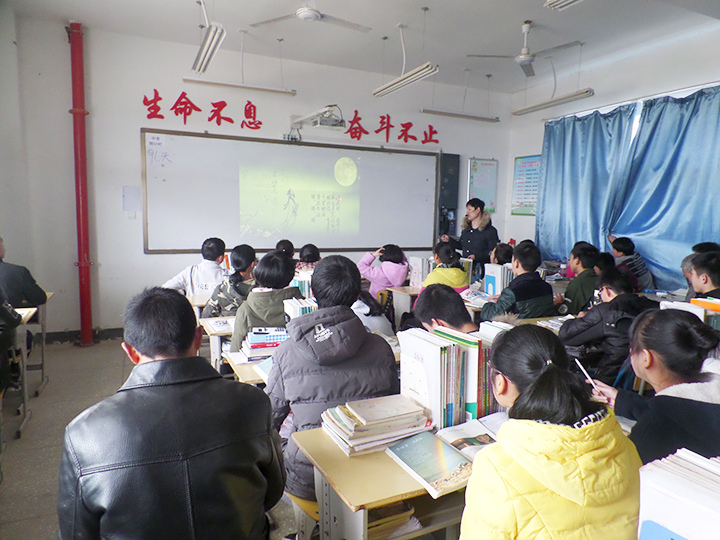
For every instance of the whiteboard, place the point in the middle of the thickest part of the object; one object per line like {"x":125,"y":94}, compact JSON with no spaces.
{"x":258,"y":191}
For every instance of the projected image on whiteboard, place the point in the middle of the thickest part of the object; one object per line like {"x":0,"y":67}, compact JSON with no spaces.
{"x":327,"y":201}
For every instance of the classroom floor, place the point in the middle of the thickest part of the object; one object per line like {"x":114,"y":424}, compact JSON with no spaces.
{"x":79,"y":378}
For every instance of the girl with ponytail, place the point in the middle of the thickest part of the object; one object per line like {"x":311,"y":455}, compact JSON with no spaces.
{"x":669,"y":349}
{"x":561,"y":467}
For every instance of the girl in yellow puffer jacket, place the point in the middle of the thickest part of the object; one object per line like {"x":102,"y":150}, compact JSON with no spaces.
{"x":561,"y":468}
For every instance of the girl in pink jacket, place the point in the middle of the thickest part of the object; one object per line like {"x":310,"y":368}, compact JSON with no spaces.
{"x":392,"y":272}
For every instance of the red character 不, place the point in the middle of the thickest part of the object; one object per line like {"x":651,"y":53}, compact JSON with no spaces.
{"x":405,"y":132}
{"x":216,"y":113}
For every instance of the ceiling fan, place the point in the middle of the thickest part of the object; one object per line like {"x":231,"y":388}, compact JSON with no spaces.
{"x":308,"y":13}
{"x":525,"y":59}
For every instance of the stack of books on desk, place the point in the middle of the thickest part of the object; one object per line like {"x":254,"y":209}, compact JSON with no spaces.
{"x":302,"y":281}
{"x":680,"y":497}
{"x":261,"y":342}
{"x":391,"y":520}
{"x":370,"y":425}
{"x":294,"y":307}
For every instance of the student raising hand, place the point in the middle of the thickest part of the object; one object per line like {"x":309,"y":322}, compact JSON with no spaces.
{"x":606,"y":394}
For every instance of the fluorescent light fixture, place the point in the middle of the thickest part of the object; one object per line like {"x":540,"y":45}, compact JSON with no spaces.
{"x":559,"y":5}
{"x":460,"y":115}
{"x":214,"y":36}
{"x":243,"y":86}
{"x":417,"y":74}
{"x":580,"y":94}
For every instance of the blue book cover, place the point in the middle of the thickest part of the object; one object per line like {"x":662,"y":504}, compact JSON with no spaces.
{"x":654,"y":531}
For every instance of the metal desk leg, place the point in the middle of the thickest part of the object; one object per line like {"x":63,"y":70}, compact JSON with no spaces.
{"x":42,"y":311}
{"x":337,"y":521}
{"x":23,"y":409}
{"x":215,"y":351}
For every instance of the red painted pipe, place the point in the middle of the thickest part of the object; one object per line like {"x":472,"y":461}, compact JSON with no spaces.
{"x":78,"y":111}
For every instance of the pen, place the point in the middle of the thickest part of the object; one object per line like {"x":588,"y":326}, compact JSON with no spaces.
{"x":588,"y":376}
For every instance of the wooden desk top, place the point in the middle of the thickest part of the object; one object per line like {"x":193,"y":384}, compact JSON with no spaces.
{"x":210,"y":331}
{"x":244,"y":370}
{"x":365,"y":481}
{"x":199,"y":300}
{"x":410,"y":291}
{"x":26,"y":313}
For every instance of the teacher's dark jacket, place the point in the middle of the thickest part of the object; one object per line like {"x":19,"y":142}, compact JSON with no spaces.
{"x":179,"y":453}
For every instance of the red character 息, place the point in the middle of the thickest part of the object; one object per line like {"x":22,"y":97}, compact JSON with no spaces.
{"x":184,"y":106}
{"x":216,"y":113}
{"x":429,"y":135}
{"x":405,"y":132}
{"x":152,"y":105}
{"x":250,"y":121}
{"x":355,"y":130}
{"x":385,"y":126}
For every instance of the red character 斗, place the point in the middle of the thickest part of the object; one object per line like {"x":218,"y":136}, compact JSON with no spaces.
{"x":216,"y":113}
{"x":355,"y":130}
{"x":152,"y":105}
{"x":385,"y":126}
{"x":184,"y":106}
{"x":405,"y":132}
{"x":428,"y":135}
{"x":250,"y":121}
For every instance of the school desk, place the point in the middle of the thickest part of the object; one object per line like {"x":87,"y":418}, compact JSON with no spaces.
{"x":215,"y":337}
{"x":20,"y":341}
{"x":348,"y":487}
{"x":244,"y":371}
{"x":403,"y":300}
{"x":198,"y":302}
{"x":41,"y":322}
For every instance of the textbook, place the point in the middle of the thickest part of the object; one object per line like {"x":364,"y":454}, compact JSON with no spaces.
{"x":488,"y":330}
{"x":256,"y":353}
{"x":680,"y":493}
{"x":475,"y":298}
{"x":262,"y":336}
{"x":295,"y":307}
{"x":352,"y":428}
{"x":713,"y":304}
{"x":474,"y":361}
{"x":263,"y":369}
{"x":556,"y":323}
{"x":371,"y":443}
{"x":438,"y":466}
{"x":497,"y":277}
{"x":380,"y":409}
{"x":221,"y":325}
{"x":302,"y":281}
{"x":433,"y":375}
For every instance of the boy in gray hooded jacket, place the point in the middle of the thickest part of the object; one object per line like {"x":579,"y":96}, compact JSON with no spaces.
{"x":329,"y":359}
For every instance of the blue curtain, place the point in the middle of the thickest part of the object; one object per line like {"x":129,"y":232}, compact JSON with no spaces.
{"x":583,"y":162}
{"x":673,"y":183}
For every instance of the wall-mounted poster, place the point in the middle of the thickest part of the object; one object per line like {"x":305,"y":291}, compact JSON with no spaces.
{"x":525,"y":186}
{"x":482,"y":181}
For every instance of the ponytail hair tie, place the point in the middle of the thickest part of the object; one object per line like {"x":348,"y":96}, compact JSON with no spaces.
{"x":548,"y":362}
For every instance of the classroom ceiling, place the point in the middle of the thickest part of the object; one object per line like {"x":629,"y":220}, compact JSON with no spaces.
{"x":444,"y":34}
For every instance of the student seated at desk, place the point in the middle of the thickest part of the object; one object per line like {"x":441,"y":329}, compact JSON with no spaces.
{"x":705,"y":275}
{"x":668,"y":350}
{"x":9,"y":320}
{"x":20,"y":288}
{"x":204,"y":277}
{"x":328,"y":359}
{"x":581,"y":289}
{"x":232,"y":292}
{"x":603,"y":332}
{"x":264,"y":304}
{"x":449,"y":270}
{"x":501,"y":254}
{"x":370,"y":312}
{"x":527,"y":295}
{"x":561,"y":467}
{"x":392,"y":272}
{"x":308,"y":257}
{"x":440,"y":305}
{"x":623,"y":249}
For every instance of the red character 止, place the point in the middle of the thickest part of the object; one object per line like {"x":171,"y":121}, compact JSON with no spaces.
{"x":250,"y":121}
{"x":216,"y":113}
{"x":385,"y":126}
{"x":184,"y":106}
{"x":355,"y":130}
{"x":405,"y":132}
{"x":152,"y":105}
{"x":429,"y":135}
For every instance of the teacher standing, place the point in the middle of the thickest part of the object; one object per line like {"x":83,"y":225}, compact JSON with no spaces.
{"x":478,"y":237}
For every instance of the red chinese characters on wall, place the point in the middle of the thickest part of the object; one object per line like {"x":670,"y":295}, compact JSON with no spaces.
{"x":216,"y":113}
{"x":152,"y":105}
{"x":183,"y":106}
{"x":356,"y":130}
{"x":385,"y":126}
{"x":251,"y":121}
